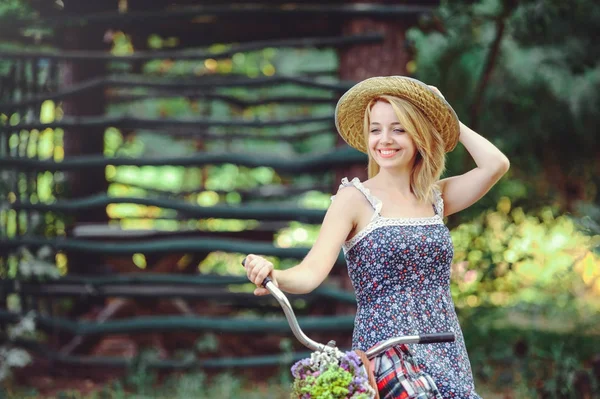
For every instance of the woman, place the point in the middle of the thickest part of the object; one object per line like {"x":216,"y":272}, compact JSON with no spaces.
{"x":391,"y":227}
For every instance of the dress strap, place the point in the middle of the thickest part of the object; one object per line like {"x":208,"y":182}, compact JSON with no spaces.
{"x":356,"y":183}
{"x":438,"y":204}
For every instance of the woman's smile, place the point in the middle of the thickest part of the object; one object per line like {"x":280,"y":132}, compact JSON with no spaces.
{"x":387,"y":152}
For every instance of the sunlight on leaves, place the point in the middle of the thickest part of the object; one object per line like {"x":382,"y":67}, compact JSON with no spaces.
{"x":524,"y":258}
{"x":47,"y":111}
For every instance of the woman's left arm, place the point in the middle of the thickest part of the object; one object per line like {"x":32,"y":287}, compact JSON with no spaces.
{"x":460,"y":192}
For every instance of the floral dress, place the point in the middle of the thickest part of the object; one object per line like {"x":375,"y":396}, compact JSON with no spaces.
{"x":400,"y":270}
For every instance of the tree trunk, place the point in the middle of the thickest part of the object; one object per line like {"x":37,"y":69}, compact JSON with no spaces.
{"x":367,"y":60}
{"x":83,"y":141}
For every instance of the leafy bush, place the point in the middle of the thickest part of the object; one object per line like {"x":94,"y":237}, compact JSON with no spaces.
{"x":13,"y":357}
{"x":534,"y":262}
{"x":527,"y":288}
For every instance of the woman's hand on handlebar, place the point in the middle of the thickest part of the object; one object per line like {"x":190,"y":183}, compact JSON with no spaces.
{"x":257,"y":269}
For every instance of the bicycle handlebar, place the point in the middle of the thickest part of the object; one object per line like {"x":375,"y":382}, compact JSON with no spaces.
{"x":371,"y":353}
{"x":290,"y":316}
{"x":434,"y":338}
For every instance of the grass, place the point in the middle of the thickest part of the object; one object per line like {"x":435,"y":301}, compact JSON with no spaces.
{"x":192,"y":385}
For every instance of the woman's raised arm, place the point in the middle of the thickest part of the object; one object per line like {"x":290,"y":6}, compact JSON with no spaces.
{"x":460,"y":192}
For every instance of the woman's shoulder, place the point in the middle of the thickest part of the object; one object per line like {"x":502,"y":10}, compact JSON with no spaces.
{"x":351,"y":191}
{"x":370,"y":184}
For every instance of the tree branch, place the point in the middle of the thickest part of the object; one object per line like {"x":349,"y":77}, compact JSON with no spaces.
{"x":486,"y":74}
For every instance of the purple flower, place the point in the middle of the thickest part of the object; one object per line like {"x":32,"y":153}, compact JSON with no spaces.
{"x":332,"y":367}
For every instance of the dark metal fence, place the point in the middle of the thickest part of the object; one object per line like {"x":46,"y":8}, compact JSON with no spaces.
{"x":44,"y":222}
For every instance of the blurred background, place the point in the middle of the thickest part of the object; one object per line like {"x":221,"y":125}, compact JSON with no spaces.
{"x":147,"y":146}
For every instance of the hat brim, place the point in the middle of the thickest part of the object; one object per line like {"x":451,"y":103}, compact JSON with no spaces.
{"x":350,"y":109}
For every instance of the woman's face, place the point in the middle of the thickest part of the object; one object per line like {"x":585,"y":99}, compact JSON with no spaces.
{"x":389,"y":144}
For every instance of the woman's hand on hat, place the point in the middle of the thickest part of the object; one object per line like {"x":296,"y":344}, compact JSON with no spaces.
{"x":437,"y":91}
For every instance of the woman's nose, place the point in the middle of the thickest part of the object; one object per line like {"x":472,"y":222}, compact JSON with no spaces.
{"x":386,"y":136}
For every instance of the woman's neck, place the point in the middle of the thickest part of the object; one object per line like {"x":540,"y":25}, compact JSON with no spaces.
{"x":397,"y":181}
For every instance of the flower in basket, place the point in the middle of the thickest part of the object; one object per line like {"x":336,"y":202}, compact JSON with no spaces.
{"x":331,"y":374}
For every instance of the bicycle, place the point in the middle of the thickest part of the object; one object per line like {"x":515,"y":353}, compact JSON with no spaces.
{"x":388,"y":387}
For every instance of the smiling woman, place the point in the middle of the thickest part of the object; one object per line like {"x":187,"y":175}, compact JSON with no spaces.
{"x":391,"y":227}
{"x":395,"y":125}
{"x":387,"y":138}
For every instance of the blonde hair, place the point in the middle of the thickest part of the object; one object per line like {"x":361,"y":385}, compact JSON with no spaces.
{"x":430,"y":161}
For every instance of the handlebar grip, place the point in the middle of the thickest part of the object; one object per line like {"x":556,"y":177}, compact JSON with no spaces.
{"x":437,"y":338}
{"x":265,"y":281}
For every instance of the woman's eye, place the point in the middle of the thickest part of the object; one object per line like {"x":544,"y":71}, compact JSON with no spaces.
{"x":399,"y":130}
{"x":375,"y":131}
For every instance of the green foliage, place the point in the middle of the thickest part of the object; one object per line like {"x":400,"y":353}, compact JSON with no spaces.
{"x":529,"y":360}
{"x":208,"y":343}
{"x":12,"y":357}
{"x":193,"y":384}
{"x":28,"y":267}
{"x":297,"y":235}
{"x":332,"y":383}
{"x":527,"y":291}
{"x":589,"y":224}
{"x":134,"y":181}
{"x":38,"y":267}
{"x":541,"y":100}
{"x":331,"y":375}
{"x":559,"y":381}
{"x":140,"y":377}
{"x":536,"y":262}
{"x":14,"y":9}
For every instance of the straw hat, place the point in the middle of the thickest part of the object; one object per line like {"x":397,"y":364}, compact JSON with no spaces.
{"x":350,"y":109}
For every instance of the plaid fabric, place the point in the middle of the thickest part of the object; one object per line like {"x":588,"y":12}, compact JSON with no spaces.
{"x":399,"y":377}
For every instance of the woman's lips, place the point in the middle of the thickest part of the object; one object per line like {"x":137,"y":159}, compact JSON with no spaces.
{"x":387,"y":153}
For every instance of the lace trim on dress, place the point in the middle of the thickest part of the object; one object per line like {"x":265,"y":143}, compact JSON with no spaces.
{"x":374,"y":201}
{"x":383,"y":221}
{"x":379,"y":221}
{"x":439,"y":202}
